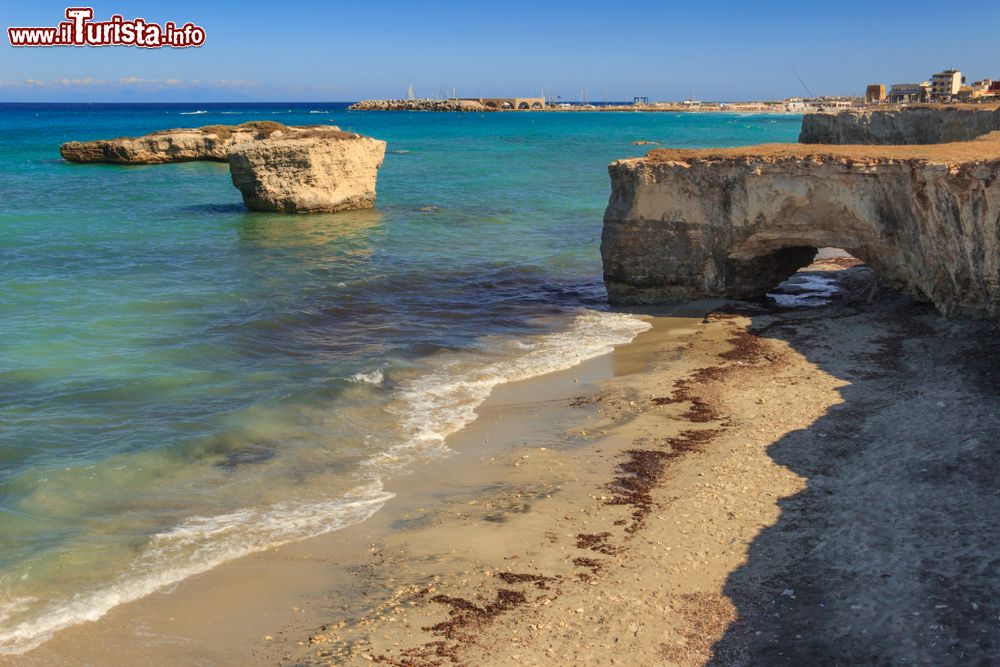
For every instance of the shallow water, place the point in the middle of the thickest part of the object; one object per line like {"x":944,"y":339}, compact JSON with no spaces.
{"x":183,"y":382}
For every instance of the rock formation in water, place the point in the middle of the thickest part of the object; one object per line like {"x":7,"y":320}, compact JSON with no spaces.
{"x":685,"y":224}
{"x":419,"y":105}
{"x":314,"y":171}
{"x":276,"y":167}
{"x":910,"y":125}
{"x":211,"y":143}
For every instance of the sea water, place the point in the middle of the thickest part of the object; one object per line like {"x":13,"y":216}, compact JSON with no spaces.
{"x":183,"y":382}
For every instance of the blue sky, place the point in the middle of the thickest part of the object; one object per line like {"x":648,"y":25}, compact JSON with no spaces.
{"x":339,"y":51}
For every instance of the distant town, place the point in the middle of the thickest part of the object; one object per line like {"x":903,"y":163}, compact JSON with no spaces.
{"x":946,"y":87}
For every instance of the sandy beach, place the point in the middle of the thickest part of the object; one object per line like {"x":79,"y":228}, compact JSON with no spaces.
{"x":740,"y":485}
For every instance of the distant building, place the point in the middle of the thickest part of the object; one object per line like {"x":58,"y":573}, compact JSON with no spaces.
{"x":908,"y":93}
{"x":827,"y":103}
{"x":875,"y":93}
{"x":981,"y":89}
{"x":795,"y":104}
{"x":945,"y":85}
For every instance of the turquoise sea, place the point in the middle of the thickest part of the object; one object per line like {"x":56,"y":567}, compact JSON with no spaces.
{"x":183,"y":382}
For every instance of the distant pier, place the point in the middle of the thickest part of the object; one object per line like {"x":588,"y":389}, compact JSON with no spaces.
{"x":509,"y":103}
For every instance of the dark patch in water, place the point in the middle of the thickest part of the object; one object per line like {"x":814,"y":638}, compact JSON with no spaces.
{"x":246,"y":457}
{"x":213,"y":208}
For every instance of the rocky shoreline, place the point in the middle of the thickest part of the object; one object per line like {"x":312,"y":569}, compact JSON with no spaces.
{"x":911,"y":125}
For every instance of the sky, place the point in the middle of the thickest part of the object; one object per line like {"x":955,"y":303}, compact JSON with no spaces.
{"x":330,"y":50}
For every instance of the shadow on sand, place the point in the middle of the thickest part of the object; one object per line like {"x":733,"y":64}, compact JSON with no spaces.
{"x":891,"y":554}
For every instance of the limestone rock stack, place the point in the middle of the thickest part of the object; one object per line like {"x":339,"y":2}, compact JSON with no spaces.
{"x":292,"y":169}
{"x":323,"y":170}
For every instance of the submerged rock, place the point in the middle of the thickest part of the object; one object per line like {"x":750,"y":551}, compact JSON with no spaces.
{"x":321,"y":170}
{"x":209,"y":143}
{"x":684,"y":224}
{"x":910,"y":125}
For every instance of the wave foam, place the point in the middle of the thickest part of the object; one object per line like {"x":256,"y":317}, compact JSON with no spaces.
{"x":430,"y":407}
{"x":192,"y":547}
{"x":376,"y":376}
{"x":809,"y":291}
{"x":434,"y":406}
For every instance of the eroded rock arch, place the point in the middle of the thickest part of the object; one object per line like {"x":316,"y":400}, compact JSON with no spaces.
{"x":692,"y":224}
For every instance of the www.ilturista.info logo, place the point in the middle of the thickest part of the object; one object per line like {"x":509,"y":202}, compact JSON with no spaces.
{"x":81,"y":30}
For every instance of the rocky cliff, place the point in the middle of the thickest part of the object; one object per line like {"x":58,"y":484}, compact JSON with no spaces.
{"x":321,"y":170}
{"x":419,"y":105}
{"x":911,"y":125}
{"x":684,"y":224}
{"x":212,"y":143}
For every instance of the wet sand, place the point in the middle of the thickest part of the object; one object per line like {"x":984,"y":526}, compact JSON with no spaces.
{"x":740,"y":485}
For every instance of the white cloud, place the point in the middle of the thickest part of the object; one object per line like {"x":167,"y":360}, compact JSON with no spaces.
{"x":230,"y":83}
{"x":80,"y":82}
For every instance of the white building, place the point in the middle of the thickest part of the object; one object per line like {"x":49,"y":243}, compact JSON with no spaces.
{"x":945,"y":85}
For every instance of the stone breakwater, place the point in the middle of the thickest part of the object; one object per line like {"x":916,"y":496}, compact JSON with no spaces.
{"x":419,"y":105}
{"x":279,"y":168}
{"x":912,"y":125}
{"x":685,"y":224}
